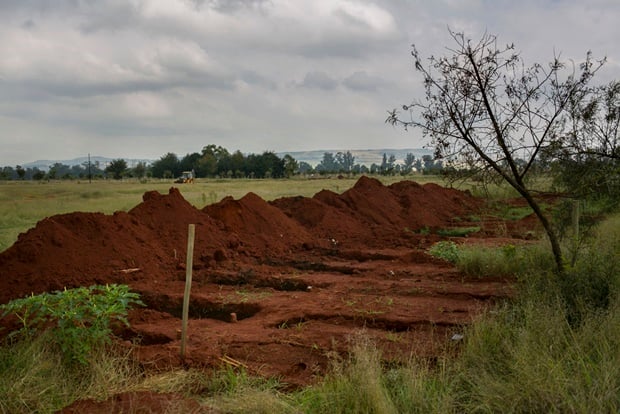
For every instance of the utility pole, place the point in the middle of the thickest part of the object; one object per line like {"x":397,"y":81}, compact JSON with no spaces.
{"x":89,"y":175}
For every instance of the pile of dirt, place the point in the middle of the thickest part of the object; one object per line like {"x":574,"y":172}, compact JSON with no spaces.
{"x":372,"y":213}
{"x":259,"y":225}
{"x":78,"y":249}
{"x":279,"y":286}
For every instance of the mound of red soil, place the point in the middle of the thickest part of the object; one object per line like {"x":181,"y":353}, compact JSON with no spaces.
{"x":278,"y":286}
{"x":259,"y":224}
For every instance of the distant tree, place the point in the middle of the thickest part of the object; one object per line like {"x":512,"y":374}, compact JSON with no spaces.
{"x":38,"y":175}
{"x":344,"y":161}
{"x":20,"y":171}
{"x":190,"y":162}
{"x":139,"y":171}
{"x":328,"y":164}
{"x":387,"y":164}
{"x":210,"y":160}
{"x":408,"y":163}
{"x":271,"y":166}
{"x":391,"y":164}
{"x":117,"y":168}
{"x":58,"y":170}
{"x":167,"y":166}
{"x":484,"y":104}
{"x":384,"y":164}
{"x":6,"y":173}
{"x":291,"y":166}
{"x":305,"y":168}
{"x":428,"y":163}
{"x":237,"y":163}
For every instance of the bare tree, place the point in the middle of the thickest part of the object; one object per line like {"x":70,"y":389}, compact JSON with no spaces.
{"x":595,"y":124}
{"x":485,"y":107}
{"x":587,"y":159}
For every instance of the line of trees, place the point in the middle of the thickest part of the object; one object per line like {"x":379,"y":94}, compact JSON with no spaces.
{"x":216,"y":161}
{"x":344,"y":162}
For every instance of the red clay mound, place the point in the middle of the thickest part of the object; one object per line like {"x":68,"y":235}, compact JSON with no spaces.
{"x":375,"y":213}
{"x":167,"y":218}
{"x":259,"y":226}
{"x":328,"y":223}
{"x":431,"y":205}
{"x":85,"y":248}
{"x":81,"y":249}
{"x":77,"y":249}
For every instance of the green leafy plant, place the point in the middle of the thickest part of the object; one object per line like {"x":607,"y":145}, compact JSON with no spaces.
{"x":446,"y":250}
{"x":458,"y":231}
{"x":79,"y":320}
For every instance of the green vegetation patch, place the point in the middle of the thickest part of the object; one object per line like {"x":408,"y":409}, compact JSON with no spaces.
{"x":78,"y":320}
{"x":458,"y":231}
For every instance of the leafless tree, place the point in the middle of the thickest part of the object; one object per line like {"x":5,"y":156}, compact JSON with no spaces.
{"x":484,"y":106}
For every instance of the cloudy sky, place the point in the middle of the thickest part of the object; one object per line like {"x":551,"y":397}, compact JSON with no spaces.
{"x":139,"y":78}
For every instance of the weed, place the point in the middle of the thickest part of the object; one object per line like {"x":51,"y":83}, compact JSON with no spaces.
{"x":458,"y":231}
{"x":80,"y":318}
{"x":395,"y":337}
{"x":446,"y":250}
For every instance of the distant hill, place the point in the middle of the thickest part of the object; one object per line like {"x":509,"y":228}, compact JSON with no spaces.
{"x":364,"y":157}
{"x":45,"y":165}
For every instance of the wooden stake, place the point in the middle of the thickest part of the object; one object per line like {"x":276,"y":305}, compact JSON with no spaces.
{"x":188,"y":285}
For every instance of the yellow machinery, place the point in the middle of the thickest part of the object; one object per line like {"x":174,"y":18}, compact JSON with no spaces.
{"x":186,"y":178}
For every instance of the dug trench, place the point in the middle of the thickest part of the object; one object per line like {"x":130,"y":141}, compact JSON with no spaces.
{"x":279,"y":287}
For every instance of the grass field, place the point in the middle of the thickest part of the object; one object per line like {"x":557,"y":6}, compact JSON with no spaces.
{"x":24,"y":203}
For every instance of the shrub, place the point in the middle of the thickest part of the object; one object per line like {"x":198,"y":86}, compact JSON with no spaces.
{"x":446,"y":250}
{"x":79,"y":320}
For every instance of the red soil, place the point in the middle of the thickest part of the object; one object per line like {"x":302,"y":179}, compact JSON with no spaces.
{"x":280,"y":286}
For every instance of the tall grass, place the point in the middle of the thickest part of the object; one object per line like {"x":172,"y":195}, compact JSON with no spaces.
{"x":508,"y":260}
{"x":356,"y":385}
{"x":34,"y":376}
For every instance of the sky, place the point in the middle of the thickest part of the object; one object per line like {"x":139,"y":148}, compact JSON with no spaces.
{"x":141,"y":78}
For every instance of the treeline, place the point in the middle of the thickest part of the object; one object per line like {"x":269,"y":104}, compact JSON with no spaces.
{"x":215,"y":161}
{"x":345,"y":163}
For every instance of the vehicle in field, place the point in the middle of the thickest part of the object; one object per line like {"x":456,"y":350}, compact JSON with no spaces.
{"x":186,"y":178}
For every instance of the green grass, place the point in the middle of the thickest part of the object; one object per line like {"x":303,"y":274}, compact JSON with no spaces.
{"x":458,"y":231}
{"x":509,"y":260}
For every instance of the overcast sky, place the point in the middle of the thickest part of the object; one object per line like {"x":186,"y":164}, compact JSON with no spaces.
{"x":140,"y":78}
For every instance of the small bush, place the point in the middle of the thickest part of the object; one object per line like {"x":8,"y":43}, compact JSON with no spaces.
{"x":78,"y":319}
{"x":446,"y":250}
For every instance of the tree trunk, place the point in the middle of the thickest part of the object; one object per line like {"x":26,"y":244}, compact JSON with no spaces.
{"x":553,"y":238}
